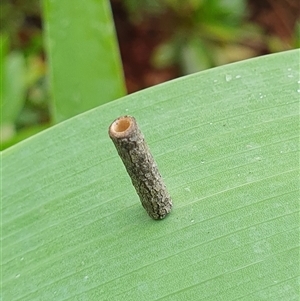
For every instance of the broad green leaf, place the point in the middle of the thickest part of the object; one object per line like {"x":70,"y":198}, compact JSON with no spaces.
{"x":226,"y":141}
{"x":85,"y":67}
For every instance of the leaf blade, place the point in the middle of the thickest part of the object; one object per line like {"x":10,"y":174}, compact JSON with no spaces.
{"x":86,"y":70}
{"x":77,"y":223}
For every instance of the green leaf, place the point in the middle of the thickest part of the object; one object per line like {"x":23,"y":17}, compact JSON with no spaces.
{"x":22,"y":134}
{"x":3,"y":53}
{"x":296,"y":38}
{"x":226,"y":141}
{"x":196,"y":55}
{"x":13,"y":88}
{"x":86,"y":70}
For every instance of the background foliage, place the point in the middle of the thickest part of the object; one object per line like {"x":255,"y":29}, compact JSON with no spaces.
{"x":159,"y":40}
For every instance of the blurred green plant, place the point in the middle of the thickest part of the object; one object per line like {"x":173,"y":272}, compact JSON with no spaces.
{"x":296,"y":38}
{"x":36,"y":94}
{"x":200,"y":34}
{"x":205,"y":33}
{"x":24,"y":87}
{"x":12,"y":93}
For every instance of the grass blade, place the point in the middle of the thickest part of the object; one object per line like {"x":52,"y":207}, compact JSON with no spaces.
{"x":86,"y":70}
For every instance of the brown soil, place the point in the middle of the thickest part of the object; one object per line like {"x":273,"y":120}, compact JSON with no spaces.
{"x":137,"y":43}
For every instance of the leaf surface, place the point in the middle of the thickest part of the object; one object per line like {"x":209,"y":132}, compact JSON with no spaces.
{"x":226,"y":141}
